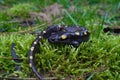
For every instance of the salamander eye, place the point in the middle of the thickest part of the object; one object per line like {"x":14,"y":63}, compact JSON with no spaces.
{"x":63,"y":37}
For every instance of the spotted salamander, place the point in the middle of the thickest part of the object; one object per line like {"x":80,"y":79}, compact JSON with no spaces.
{"x":72,"y":35}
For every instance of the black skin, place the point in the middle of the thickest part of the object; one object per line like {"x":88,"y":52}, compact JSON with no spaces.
{"x":54,"y":33}
{"x":70,"y":35}
{"x":112,"y":30}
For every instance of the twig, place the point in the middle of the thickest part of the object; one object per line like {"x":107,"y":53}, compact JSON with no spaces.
{"x":47,"y":78}
{"x":10,"y":58}
{"x":30,"y":29}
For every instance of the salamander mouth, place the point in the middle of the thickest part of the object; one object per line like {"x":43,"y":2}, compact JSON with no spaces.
{"x":52,"y":40}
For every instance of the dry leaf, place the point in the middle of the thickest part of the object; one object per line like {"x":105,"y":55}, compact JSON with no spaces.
{"x":40,"y":16}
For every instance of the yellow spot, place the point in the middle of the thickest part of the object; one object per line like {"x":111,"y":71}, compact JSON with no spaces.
{"x":40,"y":37}
{"x":85,"y":33}
{"x":35,"y":42}
{"x":63,"y":36}
{"x":31,"y":57}
{"x":44,"y":32}
{"x":32,"y":48}
{"x":30,"y":65}
{"x":77,"y":33}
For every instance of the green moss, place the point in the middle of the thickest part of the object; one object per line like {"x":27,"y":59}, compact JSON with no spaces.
{"x":3,"y":16}
{"x":22,"y":47}
{"x":64,"y":60}
{"x":20,"y":10}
